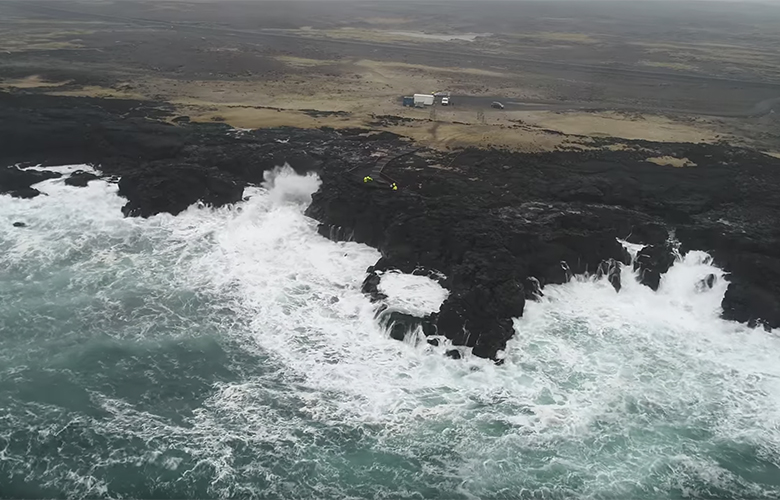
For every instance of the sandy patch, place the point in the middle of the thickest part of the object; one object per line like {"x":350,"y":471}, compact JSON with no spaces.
{"x":377,"y":35}
{"x":386,"y":20}
{"x":553,"y":36}
{"x":11,"y":47}
{"x":609,"y":124}
{"x":247,"y":105}
{"x":624,"y":147}
{"x":97,"y":91}
{"x":671,"y":161}
{"x":441,"y":135}
{"x":438,"y":135}
{"x":710,"y":48}
{"x":588,"y":144}
{"x":430,"y":69}
{"x":669,"y":65}
{"x":251,"y":118}
{"x":61,"y":22}
{"x":54,"y":40}
{"x":441,"y":37}
{"x":729,"y":58}
{"x":30,"y":82}
{"x":301,"y":62}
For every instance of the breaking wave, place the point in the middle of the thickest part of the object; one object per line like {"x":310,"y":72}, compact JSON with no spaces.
{"x":229,"y":353}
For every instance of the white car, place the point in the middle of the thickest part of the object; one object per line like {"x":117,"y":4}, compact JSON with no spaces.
{"x":445,"y":101}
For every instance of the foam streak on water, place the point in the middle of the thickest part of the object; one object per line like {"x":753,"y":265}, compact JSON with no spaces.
{"x":229,"y":353}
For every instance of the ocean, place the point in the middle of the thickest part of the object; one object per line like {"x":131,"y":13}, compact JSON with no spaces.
{"x":229,"y":353}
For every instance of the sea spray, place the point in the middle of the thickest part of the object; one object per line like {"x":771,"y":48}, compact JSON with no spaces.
{"x":229,"y":353}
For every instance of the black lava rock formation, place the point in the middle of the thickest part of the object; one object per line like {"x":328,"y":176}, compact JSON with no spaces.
{"x":498,"y":235}
{"x":653,"y":261}
{"x":80,"y":178}
{"x":182,"y":185}
{"x":18,"y":182}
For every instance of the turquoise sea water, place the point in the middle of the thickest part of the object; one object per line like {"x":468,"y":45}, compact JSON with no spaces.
{"x":230,"y":353}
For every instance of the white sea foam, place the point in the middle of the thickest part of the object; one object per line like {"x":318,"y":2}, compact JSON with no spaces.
{"x":412,"y":294}
{"x":583,"y":355}
{"x":63,"y":169}
{"x":602,"y":394}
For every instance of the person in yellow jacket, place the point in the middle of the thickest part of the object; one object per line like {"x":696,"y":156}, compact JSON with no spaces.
{"x":367,"y":178}
{"x":395,"y":186}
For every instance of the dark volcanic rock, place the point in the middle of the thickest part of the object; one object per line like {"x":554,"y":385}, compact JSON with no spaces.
{"x":80,"y":178}
{"x":175,"y":188}
{"x":611,"y":270}
{"x":25,"y":193}
{"x":533,"y":289}
{"x":653,"y":261}
{"x":453,"y":353}
{"x":649,"y":234}
{"x":20,"y":224}
{"x":706,"y":283}
{"x":486,"y":253}
{"x":746,"y":245}
{"x":18,"y":182}
{"x":67,"y":130}
{"x":164,"y":168}
{"x":752,"y":295}
{"x":479,"y":316}
{"x":558,"y":214}
{"x":371,"y":287}
{"x":498,"y":235}
{"x":400,"y":324}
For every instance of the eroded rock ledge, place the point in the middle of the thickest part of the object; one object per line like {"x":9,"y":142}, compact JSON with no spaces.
{"x":499,"y":225}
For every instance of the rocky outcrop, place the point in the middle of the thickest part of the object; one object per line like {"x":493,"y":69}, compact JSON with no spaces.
{"x":753,"y":291}
{"x":399,"y":324}
{"x":610,"y":269}
{"x":745,"y":243}
{"x":18,"y":182}
{"x":488,"y":254}
{"x":653,"y":261}
{"x":80,"y":178}
{"x":160,"y":167}
{"x":498,"y":226}
{"x":501,"y":234}
{"x":154,"y":190}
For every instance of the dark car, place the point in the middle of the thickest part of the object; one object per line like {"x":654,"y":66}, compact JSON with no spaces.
{"x":497,"y":105}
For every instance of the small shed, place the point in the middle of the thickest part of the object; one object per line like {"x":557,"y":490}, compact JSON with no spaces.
{"x":424,"y":99}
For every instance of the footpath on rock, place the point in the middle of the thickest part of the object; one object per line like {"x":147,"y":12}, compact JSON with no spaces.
{"x":494,"y":227}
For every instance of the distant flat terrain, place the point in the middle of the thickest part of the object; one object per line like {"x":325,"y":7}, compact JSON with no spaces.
{"x":697,"y":73}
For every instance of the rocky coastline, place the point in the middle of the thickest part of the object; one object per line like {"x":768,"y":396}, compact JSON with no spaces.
{"x":494,"y":227}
